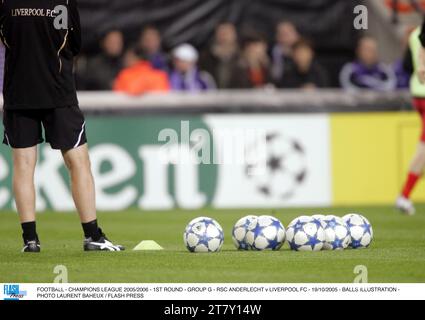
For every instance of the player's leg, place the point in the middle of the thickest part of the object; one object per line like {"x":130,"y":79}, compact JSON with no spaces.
{"x":83,"y":191}
{"x":416,"y":170}
{"x":22,"y":134}
{"x":404,"y":204}
{"x":82,"y":183}
{"x":65,"y":131}
{"x":24,"y":162}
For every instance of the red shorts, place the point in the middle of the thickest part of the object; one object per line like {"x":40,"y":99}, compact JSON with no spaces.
{"x":419,"y":104}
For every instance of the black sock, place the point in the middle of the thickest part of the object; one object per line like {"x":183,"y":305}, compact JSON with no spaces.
{"x":29,"y":230}
{"x":91,"y":230}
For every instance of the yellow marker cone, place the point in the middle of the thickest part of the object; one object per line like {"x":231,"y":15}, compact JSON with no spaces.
{"x":148,"y":245}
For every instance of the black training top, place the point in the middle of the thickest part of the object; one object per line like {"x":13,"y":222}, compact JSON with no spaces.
{"x":41,"y":39}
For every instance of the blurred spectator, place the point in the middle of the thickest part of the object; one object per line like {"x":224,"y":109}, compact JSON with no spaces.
{"x":102,"y":69}
{"x":150,"y":47}
{"x":254,"y":65}
{"x":186,"y":75}
{"x":367,"y":72}
{"x":222,"y":57}
{"x":305,"y":72}
{"x":402,"y":74}
{"x":287,"y":36}
{"x":140,"y":77}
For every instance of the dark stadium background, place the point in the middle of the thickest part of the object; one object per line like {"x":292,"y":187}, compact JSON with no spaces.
{"x":327,"y":23}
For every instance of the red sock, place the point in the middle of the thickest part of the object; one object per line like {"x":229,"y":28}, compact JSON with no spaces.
{"x":412,"y":179}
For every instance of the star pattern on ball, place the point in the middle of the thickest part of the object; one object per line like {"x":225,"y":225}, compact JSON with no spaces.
{"x":338,"y":243}
{"x":284,"y":176}
{"x":298,"y":226}
{"x":276,"y":224}
{"x":273,"y":244}
{"x":202,"y":231}
{"x":207,"y":223}
{"x":294,"y":246}
{"x":301,"y":176}
{"x":349,"y":224}
{"x":265,"y":190}
{"x":243,"y":246}
{"x":367,"y":228}
{"x":315,"y":220}
{"x":274,"y":163}
{"x":197,"y":227}
{"x":332,"y":223}
{"x":247,"y":223}
{"x":258,"y":230}
{"x":356,"y":244}
{"x":313,"y":241}
{"x":318,"y":222}
{"x":204,"y":240}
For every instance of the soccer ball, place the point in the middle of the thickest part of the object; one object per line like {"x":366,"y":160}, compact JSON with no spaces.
{"x":240,"y":230}
{"x":361,"y":230}
{"x":299,"y":219}
{"x":282,"y":169}
{"x":203,"y":235}
{"x":266,"y":233}
{"x":336,"y":233}
{"x":320,"y":218}
{"x":306,"y":235}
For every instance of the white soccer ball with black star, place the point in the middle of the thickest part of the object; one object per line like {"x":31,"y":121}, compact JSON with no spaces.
{"x":240,"y":230}
{"x":280,"y":166}
{"x":336,"y":233}
{"x":305,"y":235}
{"x":266,"y":233}
{"x":361,"y":230}
{"x":204,"y":235}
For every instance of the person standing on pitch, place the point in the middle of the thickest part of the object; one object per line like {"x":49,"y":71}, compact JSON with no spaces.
{"x":41,"y":39}
{"x":415,"y":63}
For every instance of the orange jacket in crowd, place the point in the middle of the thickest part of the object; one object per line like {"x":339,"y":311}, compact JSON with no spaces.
{"x":141,"y":78}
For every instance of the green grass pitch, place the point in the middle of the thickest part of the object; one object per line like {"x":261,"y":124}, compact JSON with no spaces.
{"x":396,"y":256}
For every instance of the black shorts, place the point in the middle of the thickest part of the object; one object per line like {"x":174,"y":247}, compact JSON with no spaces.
{"x":64,"y":128}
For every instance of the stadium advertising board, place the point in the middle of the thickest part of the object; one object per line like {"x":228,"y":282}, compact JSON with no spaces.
{"x":160,"y":163}
{"x":371,"y":154}
{"x":192,"y":162}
